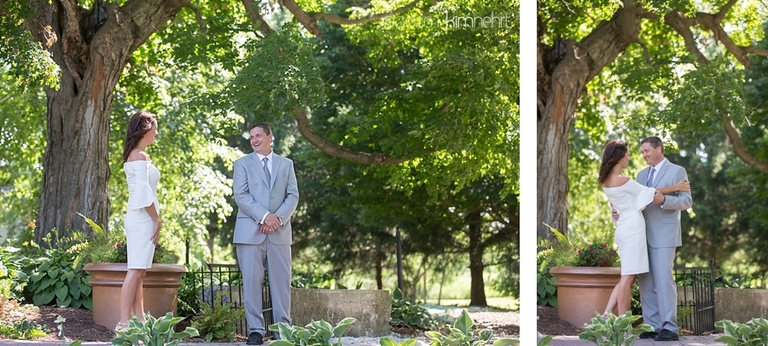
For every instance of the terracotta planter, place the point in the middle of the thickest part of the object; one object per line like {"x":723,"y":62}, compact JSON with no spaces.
{"x":161,"y":287}
{"x":583,"y":291}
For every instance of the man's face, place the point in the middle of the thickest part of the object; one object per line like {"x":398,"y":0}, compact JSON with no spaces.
{"x":260,"y":141}
{"x":651,"y":155}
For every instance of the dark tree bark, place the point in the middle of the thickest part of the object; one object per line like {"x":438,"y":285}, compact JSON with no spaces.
{"x":562,"y":79}
{"x":76,"y":165}
{"x":476,"y":265}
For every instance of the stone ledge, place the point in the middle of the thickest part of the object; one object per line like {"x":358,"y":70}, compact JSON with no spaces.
{"x":371,"y":309}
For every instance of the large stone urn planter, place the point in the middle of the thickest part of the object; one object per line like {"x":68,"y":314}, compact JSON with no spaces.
{"x":161,"y":288}
{"x":583,"y":291}
{"x":371,"y":309}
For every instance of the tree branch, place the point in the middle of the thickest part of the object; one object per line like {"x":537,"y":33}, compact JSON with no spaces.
{"x":255,"y":16}
{"x":756,"y":50}
{"x":738,"y":147}
{"x":711,"y":22}
{"x":679,"y":23}
{"x":346,"y":21}
{"x":305,"y":19}
{"x":309,"y":20}
{"x":336,"y":150}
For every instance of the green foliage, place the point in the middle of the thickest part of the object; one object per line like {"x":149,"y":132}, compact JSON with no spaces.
{"x":546,"y":291}
{"x":754,"y":332}
{"x":390,"y":342}
{"x":22,"y":329}
{"x":614,"y":331}
{"x":544,"y":341}
{"x":13,"y":279}
{"x":10,"y":328}
{"x":596,"y":254}
{"x":317,"y":333}
{"x":461,"y":334}
{"x":188,"y":301}
{"x":279,"y":76}
{"x":56,"y":277}
{"x":153,"y":332}
{"x":576,"y":250}
{"x":218,"y":322}
{"x":409,"y":315}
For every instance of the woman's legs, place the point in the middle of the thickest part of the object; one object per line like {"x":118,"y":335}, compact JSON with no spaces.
{"x":131,"y":292}
{"x":138,"y":302}
{"x":620,"y":296}
{"x":611,"y":302}
{"x":624,"y":293}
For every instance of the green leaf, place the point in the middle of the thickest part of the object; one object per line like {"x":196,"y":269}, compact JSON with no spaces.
{"x":62,"y":292}
{"x":464,"y":323}
{"x":342,"y":326}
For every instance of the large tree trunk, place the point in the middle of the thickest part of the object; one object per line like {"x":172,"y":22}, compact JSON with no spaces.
{"x":91,"y":58}
{"x":476,"y":266}
{"x":563,"y":73}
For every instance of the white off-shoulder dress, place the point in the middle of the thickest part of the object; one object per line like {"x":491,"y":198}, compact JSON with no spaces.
{"x":142,"y":177}
{"x":629,"y":200}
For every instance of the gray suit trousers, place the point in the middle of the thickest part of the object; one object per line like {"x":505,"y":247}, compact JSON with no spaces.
{"x":277,"y":260}
{"x":659,"y":307}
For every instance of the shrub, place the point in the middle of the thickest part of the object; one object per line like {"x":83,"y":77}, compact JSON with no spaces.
{"x":409,"y":315}
{"x":55,"y":275}
{"x":218,"y":322}
{"x":13,"y":279}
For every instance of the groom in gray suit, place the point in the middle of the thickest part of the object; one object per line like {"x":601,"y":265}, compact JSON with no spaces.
{"x":658,"y":291}
{"x":266,"y":194}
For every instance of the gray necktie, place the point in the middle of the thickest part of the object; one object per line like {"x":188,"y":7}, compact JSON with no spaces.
{"x":650,"y":177}
{"x":266,"y":169}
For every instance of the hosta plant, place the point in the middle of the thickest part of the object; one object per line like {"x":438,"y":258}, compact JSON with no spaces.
{"x":754,"y":332}
{"x":461,"y":334}
{"x":153,"y":332}
{"x":317,"y":333}
{"x":614,"y":331}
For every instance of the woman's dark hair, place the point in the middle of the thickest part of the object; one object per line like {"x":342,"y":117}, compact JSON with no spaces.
{"x":138,"y":126}
{"x":612,"y":154}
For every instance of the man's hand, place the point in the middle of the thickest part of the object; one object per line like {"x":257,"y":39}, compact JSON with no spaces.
{"x":271,"y":223}
{"x":615,"y":215}
{"x":658,"y":198}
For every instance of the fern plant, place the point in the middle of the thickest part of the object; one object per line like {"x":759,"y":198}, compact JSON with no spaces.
{"x":218,"y":322}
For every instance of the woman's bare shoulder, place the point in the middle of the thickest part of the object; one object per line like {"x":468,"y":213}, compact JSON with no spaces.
{"x":616,"y":182}
{"x":137,"y":155}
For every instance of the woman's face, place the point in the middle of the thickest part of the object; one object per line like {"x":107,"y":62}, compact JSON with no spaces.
{"x":625,"y":160}
{"x":150,"y":136}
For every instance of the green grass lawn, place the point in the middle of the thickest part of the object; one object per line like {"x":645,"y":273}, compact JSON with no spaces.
{"x":494,"y":304}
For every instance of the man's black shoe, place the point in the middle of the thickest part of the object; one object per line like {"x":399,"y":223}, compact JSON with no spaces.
{"x":666,"y":335}
{"x":255,"y":339}
{"x":648,"y":335}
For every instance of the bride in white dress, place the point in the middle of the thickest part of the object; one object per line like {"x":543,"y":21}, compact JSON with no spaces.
{"x":142,"y":220}
{"x":628,"y":198}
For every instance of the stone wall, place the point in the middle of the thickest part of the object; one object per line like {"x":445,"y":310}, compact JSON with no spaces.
{"x":740,"y":305}
{"x":371,"y":309}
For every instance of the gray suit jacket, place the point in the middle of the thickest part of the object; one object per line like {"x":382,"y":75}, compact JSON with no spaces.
{"x":255,"y":197}
{"x":663,"y":225}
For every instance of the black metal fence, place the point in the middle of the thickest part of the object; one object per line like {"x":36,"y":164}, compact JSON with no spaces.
{"x":696,"y":298}
{"x":226,"y":279}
